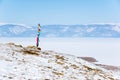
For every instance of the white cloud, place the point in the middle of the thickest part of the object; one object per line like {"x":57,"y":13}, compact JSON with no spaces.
{"x":2,"y":23}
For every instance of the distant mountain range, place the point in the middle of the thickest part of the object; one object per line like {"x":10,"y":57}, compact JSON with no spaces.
{"x":92,"y":30}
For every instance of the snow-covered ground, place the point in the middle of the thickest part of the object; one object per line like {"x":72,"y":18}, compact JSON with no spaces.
{"x":105,"y":50}
{"x":29,"y":63}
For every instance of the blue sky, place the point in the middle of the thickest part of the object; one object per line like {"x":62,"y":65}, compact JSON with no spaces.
{"x":31,"y":12}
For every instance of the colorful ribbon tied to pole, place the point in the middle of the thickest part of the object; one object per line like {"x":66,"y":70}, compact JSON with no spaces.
{"x":38,"y":35}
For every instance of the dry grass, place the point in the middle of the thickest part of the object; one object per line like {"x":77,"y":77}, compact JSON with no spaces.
{"x":74,"y":66}
{"x":58,"y":73}
{"x":66,"y":67}
{"x":60,"y":62}
{"x":59,"y":57}
{"x":88,"y":68}
{"x":31,"y":50}
{"x":14,"y":44}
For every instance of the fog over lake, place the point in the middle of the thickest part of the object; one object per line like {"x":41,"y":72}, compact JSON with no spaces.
{"x":105,"y":50}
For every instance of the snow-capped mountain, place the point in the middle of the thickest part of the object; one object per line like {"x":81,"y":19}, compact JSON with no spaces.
{"x":92,"y":30}
{"x":29,"y":63}
{"x":14,"y":30}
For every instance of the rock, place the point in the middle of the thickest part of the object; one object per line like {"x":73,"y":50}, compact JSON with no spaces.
{"x":89,"y":59}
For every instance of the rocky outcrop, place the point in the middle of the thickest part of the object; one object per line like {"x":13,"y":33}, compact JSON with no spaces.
{"x":89,"y":59}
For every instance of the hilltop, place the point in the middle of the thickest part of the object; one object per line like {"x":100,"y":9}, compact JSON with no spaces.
{"x":29,"y":63}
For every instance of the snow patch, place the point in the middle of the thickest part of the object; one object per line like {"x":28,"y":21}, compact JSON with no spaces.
{"x":17,"y":29}
{"x":90,"y":29}
{"x":116,"y":28}
{"x":47,"y":65}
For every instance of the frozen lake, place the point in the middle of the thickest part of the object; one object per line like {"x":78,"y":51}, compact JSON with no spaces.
{"x":105,"y":50}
